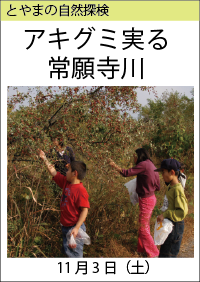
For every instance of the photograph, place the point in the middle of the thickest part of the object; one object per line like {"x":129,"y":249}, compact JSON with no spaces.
{"x":100,"y":172}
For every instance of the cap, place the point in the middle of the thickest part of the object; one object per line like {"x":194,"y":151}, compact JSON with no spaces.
{"x":169,"y":164}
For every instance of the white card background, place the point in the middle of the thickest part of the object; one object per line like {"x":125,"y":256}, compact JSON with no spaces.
{"x":176,"y":65}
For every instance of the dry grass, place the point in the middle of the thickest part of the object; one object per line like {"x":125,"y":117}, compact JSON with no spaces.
{"x":112,"y":223}
{"x":118,"y":250}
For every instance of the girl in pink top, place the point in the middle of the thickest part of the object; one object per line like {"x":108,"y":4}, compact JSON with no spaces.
{"x":147,"y":183}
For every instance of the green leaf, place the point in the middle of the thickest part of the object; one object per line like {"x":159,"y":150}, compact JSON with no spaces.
{"x":38,"y":240}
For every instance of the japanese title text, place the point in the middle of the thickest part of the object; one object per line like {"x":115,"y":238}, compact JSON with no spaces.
{"x":109,"y":67}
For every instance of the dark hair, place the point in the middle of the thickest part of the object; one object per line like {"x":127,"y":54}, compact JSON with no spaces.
{"x":182,"y":166}
{"x":142,"y":155}
{"x":80,"y":167}
{"x":178,"y":173}
{"x":59,"y":138}
{"x":61,"y":143}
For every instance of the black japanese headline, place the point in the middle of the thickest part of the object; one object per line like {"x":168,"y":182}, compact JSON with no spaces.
{"x":83,"y":67}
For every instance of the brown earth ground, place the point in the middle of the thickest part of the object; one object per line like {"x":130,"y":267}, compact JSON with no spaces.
{"x":127,"y":249}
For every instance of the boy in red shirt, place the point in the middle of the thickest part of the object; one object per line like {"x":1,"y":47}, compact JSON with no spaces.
{"x":74,"y":202}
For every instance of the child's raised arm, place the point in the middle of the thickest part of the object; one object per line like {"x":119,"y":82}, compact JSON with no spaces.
{"x":50,"y":167}
{"x":114,"y":165}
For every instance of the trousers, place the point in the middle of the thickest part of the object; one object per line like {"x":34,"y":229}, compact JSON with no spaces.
{"x":145,"y":240}
{"x":171,"y":246}
{"x":72,"y":253}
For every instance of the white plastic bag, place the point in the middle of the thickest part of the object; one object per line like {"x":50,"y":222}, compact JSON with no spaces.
{"x":131,"y":186}
{"x":182,"y":180}
{"x":162,"y":230}
{"x":165,"y":204}
{"x":82,"y":236}
{"x":71,"y":242}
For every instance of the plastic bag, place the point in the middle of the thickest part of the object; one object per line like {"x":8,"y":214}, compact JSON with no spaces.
{"x":182,"y":180}
{"x":71,"y":243}
{"x":82,"y":236}
{"x":165,"y":204}
{"x":162,"y":230}
{"x":131,"y":186}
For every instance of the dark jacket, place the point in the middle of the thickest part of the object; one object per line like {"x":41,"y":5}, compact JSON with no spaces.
{"x":60,"y":160}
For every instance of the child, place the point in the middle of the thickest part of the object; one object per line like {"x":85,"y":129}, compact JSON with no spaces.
{"x":63,"y":155}
{"x":74,"y":202}
{"x":182,"y":180}
{"x":177,"y":207}
{"x":148,"y":182}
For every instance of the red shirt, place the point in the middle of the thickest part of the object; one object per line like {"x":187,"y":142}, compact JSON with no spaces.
{"x":148,"y":180}
{"x":74,"y":196}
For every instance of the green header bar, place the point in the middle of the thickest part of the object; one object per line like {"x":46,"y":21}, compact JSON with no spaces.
{"x":100,"y":11}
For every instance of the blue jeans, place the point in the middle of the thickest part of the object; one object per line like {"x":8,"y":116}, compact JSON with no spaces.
{"x":72,"y":253}
{"x":171,"y":246}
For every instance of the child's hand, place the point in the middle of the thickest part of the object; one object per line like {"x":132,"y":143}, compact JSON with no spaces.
{"x":74,"y":232}
{"x":160,"y":218}
{"x":111,"y":163}
{"x":42,"y":154}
